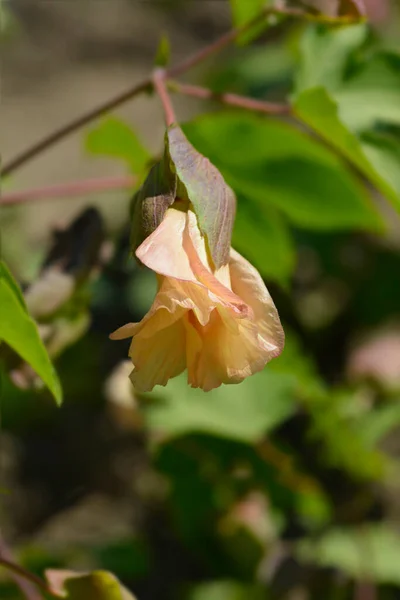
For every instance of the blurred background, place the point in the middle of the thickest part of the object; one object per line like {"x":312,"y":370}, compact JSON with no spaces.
{"x":286,"y":486}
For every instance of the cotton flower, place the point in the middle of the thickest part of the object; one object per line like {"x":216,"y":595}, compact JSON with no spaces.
{"x":221,"y":325}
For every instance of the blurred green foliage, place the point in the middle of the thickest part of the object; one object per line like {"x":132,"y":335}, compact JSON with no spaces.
{"x":287,"y":483}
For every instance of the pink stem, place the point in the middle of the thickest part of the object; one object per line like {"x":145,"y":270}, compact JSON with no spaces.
{"x":268,"y":108}
{"x":66,"y":190}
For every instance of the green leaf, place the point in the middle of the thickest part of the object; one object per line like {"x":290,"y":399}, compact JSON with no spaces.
{"x":226,"y":590}
{"x":383,"y":152}
{"x":262,"y":234}
{"x":311,"y":196}
{"x":379,"y":162}
{"x":376,"y":424}
{"x":370,"y":552}
{"x":163,"y":54}
{"x":324,"y":52}
{"x":372,"y":95}
{"x":19,"y":331}
{"x":274,"y":165}
{"x":98,"y":585}
{"x":222,"y":412}
{"x":113,"y":137}
{"x":244,"y":11}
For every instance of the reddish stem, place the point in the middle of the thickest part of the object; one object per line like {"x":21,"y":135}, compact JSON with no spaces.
{"x":135,"y":90}
{"x":27,"y":576}
{"x":66,"y":190}
{"x":147,"y":83}
{"x":160,"y":87}
{"x":268,"y":108}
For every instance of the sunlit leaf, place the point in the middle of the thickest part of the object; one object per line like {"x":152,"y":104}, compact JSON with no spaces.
{"x":273,"y":164}
{"x":324,"y":52}
{"x":243,"y":11}
{"x":372,"y":95}
{"x":369,"y":552}
{"x":222,"y":412}
{"x":114,"y":137}
{"x":98,"y":585}
{"x":19,"y":331}
{"x":378,"y":162}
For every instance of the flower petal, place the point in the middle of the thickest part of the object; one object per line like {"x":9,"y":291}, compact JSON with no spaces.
{"x":158,"y":352}
{"x":219,"y":292}
{"x":162,"y":251}
{"x":219,"y":353}
{"x":248,"y":284}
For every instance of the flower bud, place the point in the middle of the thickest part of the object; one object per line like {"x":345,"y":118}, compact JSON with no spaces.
{"x":184,"y":174}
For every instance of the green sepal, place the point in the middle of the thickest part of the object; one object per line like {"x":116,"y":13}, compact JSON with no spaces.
{"x":152,"y":200}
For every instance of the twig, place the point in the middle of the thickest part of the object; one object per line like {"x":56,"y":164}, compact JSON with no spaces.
{"x":27,"y":588}
{"x":160,"y":86}
{"x":174,"y":71}
{"x":73,"y":125}
{"x":145,"y":85}
{"x":268,"y":108}
{"x":28,"y":578}
{"x":66,"y":190}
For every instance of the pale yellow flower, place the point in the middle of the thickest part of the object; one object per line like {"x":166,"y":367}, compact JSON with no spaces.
{"x":221,"y":326}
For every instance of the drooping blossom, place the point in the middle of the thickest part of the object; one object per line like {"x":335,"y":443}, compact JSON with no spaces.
{"x":221,"y":325}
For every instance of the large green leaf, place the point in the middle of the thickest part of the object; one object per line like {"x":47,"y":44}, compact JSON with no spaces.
{"x":264,"y":239}
{"x":273,"y":164}
{"x":19,"y":331}
{"x":242,"y":412}
{"x":98,"y":585}
{"x":379,"y":162}
{"x":372,"y":95}
{"x":324,"y":52}
{"x":370,"y":552}
{"x":226,"y":590}
{"x":365,"y":96}
{"x":113,"y":137}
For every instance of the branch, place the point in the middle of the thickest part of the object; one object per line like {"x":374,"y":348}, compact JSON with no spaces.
{"x":27,"y":578}
{"x":160,"y":86}
{"x":67,"y":190}
{"x":268,"y":108}
{"x":143,"y":86}
{"x":174,"y":71}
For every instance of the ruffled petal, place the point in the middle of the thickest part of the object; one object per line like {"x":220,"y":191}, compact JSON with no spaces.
{"x":223,"y":352}
{"x":158,"y":352}
{"x":248,"y":284}
{"x":217,"y":290}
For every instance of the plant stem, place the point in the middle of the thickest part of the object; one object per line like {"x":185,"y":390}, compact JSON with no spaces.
{"x":160,"y":87}
{"x":145,"y":85}
{"x":66,"y":190}
{"x":174,"y":71}
{"x":74,"y":125}
{"x":268,"y":108}
{"x":27,"y":576}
